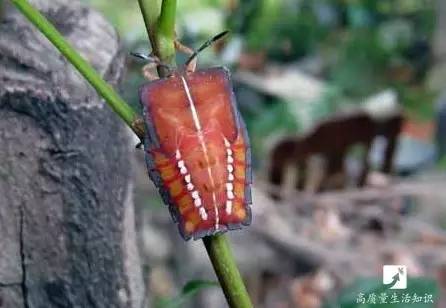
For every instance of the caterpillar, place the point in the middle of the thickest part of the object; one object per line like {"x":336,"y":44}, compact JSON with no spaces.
{"x":197,"y":150}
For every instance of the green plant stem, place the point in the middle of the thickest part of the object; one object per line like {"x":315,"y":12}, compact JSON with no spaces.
{"x":162,"y":40}
{"x":150,"y":10}
{"x":227,"y":272}
{"x":159,"y":19}
{"x":165,"y":32}
{"x":87,"y":71}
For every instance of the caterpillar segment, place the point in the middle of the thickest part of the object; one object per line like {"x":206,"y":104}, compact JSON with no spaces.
{"x":197,"y":151}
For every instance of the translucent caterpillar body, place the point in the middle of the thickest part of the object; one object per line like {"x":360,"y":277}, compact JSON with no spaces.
{"x":197,"y":151}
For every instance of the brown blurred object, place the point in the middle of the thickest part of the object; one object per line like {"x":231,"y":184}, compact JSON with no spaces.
{"x":418,"y":130}
{"x":332,"y":139}
{"x":401,"y":73}
{"x":252,"y":61}
{"x":309,"y":291}
{"x":232,"y":5}
{"x":441,"y":279}
{"x":160,"y":282}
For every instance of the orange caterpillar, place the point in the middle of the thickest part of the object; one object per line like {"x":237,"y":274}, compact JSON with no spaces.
{"x":197,"y":151}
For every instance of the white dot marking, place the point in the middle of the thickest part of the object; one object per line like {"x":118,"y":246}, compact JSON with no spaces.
{"x":203,"y":213}
{"x":230,"y":194}
{"x":187,"y":178}
{"x":228,"y":207}
{"x":197,"y":202}
{"x":195,"y":194}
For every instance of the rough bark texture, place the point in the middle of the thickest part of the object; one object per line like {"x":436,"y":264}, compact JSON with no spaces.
{"x":66,"y":216}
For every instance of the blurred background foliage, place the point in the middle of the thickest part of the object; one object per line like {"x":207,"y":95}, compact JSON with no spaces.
{"x":360,"y":47}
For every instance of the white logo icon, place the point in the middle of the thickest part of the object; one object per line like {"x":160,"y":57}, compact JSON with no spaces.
{"x":395,"y":276}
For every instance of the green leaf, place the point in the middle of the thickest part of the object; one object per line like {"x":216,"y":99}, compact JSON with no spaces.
{"x":194,"y":286}
{"x":189,"y":290}
{"x":442,"y":163}
{"x":262,"y":25}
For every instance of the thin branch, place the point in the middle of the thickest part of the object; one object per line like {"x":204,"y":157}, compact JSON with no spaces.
{"x":165,"y":32}
{"x":231,"y":282}
{"x":150,"y":10}
{"x":159,"y":18}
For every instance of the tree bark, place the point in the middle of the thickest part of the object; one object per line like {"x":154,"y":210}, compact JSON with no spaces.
{"x":66,"y":211}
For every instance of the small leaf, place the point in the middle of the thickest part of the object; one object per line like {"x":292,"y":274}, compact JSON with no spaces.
{"x":190,"y":289}
{"x":194,"y":286}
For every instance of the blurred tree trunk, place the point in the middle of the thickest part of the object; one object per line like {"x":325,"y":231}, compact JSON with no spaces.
{"x":440,"y":33}
{"x":437,"y":73}
{"x":66,"y":212}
